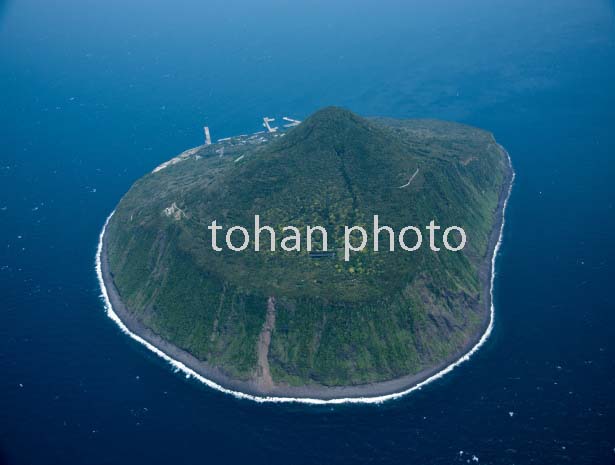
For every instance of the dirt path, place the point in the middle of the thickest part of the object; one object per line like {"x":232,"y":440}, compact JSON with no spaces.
{"x":408,"y":183}
{"x":263,"y":373}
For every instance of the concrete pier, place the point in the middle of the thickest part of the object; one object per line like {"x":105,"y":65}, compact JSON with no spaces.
{"x":291,"y":122}
{"x":266,"y":122}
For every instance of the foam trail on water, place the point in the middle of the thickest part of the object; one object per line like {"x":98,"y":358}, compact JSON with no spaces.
{"x":189,"y":372}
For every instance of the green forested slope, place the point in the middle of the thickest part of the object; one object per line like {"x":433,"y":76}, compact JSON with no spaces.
{"x":378,"y":316}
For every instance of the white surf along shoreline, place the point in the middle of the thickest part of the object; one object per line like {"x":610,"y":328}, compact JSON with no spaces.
{"x":189,"y":372}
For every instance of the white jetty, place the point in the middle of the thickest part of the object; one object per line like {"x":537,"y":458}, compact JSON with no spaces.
{"x":291,"y":122}
{"x":266,"y":122}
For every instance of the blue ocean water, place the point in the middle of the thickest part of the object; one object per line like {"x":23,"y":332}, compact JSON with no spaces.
{"x":93,"y":95}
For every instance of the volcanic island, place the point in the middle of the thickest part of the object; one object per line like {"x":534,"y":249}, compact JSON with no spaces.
{"x":309,"y":324}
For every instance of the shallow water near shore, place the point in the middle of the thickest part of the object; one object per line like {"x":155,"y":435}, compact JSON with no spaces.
{"x":93,"y":97}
